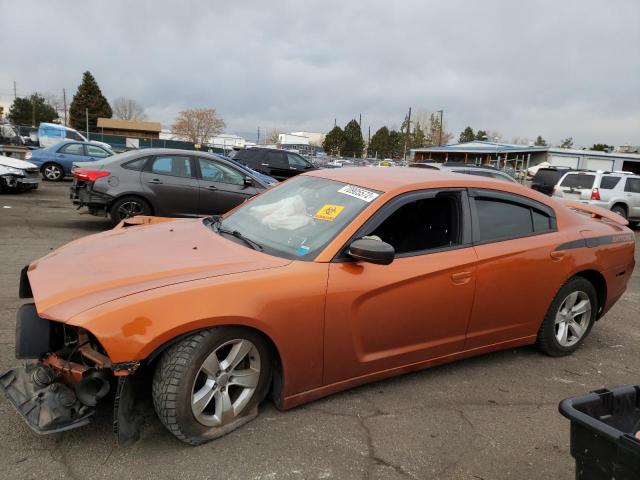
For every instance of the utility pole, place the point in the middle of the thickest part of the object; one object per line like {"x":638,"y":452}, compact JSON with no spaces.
{"x":335,"y":123}
{"x":360,"y":121}
{"x":86,"y":116}
{"x":15,"y":90}
{"x":258,"y":142}
{"x":441,"y":112}
{"x":64,"y":103}
{"x":33,"y":113}
{"x":406,"y":138}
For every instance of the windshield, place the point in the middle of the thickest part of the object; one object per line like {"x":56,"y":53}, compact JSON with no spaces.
{"x":300,"y":217}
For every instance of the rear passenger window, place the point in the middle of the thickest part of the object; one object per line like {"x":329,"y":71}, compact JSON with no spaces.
{"x":170,"y":165}
{"x":609,"y":181}
{"x":277,"y":160}
{"x":633,"y":185}
{"x":137,"y":164}
{"x":500,"y":219}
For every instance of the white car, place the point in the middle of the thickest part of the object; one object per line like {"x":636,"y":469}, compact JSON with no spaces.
{"x":18,"y":175}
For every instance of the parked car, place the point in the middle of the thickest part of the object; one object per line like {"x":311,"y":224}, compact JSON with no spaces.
{"x":55,"y":162}
{"x":9,"y":135}
{"x":333,"y":279}
{"x":162,"y":182}
{"x":546,"y":178}
{"x":17,"y":175}
{"x":531,"y":171}
{"x":615,"y":191}
{"x":469,"y":169}
{"x":278,"y":164}
{"x":265,"y":178}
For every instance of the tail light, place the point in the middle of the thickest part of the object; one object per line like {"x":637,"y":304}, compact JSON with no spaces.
{"x":28,"y":155}
{"x":595,"y":194}
{"x":88,"y":175}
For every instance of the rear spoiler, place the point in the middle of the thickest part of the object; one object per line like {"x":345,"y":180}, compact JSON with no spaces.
{"x":596,"y":212}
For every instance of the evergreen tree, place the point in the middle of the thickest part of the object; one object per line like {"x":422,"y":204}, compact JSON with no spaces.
{"x":540,"y":142}
{"x":31,"y":111}
{"x":396,"y":144}
{"x":419,"y":138}
{"x":379,"y":145}
{"x":89,"y":97}
{"x":481,"y":135}
{"x":353,"y":141}
{"x":601,"y":147}
{"x":566,"y":142}
{"x":334,"y":141}
{"x":467,"y":135}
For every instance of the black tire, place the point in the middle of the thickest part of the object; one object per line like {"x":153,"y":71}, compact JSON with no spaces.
{"x":177,"y":372}
{"x":547,"y":339}
{"x":52,"y":172}
{"x":133,"y":205}
{"x":634,"y":224}
{"x":620,"y":210}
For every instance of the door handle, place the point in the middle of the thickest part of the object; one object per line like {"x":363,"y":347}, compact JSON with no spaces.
{"x":211,"y":187}
{"x":155,"y":181}
{"x":556,"y":256}
{"x":264,"y":164}
{"x":460,"y":278}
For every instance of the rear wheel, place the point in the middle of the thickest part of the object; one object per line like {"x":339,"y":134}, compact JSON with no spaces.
{"x":569,"y":318}
{"x":620,"y":210}
{"x":209,"y":383}
{"x":52,"y":172}
{"x":127,"y":207}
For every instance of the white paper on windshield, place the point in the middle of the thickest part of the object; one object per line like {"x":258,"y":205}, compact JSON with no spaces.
{"x":357,"y":192}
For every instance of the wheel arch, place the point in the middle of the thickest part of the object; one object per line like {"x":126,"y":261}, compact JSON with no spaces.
{"x":599,"y":283}
{"x":621,"y":203}
{"x":277,"y":380}
{"x":120,"y":196}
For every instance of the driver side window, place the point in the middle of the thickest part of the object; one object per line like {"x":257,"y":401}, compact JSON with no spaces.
{"x":424,"y":224}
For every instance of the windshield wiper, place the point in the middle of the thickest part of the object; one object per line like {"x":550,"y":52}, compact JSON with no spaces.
{"x":217,"y":225}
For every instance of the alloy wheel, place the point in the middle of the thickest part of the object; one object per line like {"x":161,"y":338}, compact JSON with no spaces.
{"x":52,"y":172}
{"x":572,"y":319}
{"x":129,"y":209}
{"x":225,"y":383}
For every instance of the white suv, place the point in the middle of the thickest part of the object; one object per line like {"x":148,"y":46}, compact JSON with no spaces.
{"x":615,"y":191}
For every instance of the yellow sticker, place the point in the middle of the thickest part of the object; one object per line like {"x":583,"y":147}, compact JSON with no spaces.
{"x":329,"y":212}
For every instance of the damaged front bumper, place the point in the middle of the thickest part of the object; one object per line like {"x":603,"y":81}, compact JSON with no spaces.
{"x":66,"y":377}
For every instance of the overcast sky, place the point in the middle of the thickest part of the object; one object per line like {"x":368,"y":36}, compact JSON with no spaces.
{"x":553,"y":68}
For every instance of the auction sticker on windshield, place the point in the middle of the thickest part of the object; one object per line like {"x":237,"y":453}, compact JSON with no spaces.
{"x":361,"y":193}
{"x":329,"y":212}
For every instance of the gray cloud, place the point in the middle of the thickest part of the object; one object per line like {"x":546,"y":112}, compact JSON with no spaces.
{"x":558,"y":69}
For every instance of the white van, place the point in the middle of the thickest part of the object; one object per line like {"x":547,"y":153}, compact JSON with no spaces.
{"x":52,"y":133}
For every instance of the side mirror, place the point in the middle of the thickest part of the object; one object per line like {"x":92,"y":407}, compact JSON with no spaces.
{"x":372,"y":251}
{"x":248,"y":181}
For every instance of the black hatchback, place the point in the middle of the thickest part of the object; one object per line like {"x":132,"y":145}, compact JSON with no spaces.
{"x":546,"y":178}
{"x":278,"y":164}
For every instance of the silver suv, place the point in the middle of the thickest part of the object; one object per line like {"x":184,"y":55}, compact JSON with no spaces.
{"x":615,"y":191}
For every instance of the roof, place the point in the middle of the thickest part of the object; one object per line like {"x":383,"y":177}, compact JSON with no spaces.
{"x":592,"y":153}
{"x":403,"y":179}
{"x":482,"y":147}
{"x":133,"y":125}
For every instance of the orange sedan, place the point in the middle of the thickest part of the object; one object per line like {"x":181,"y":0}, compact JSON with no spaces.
{"x":330,"y":280}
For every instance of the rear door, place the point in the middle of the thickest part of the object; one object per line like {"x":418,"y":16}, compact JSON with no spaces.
{"x":222,"y":187}
{"x":69,"y":153}
{"x":171,"y":185}
{"x":517,"y":278}
{"x":278,"y":165}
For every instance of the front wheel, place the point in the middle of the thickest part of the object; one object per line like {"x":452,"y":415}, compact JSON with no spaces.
{"x":569,"y":318}
{"x":209,"y":383}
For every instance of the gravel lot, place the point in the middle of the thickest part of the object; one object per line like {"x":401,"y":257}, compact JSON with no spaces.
{"x":490,"y":417}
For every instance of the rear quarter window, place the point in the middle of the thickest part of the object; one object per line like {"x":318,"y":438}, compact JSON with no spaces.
{"x":137,"y":164}
{"x":609,"y":181}
{"x":578,"y":180}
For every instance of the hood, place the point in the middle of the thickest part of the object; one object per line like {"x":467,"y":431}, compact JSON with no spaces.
{"x":15,"y":163}
{"x":131,"y":259}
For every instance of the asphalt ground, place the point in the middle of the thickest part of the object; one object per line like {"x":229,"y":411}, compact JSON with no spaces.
{"x":490,"y":417}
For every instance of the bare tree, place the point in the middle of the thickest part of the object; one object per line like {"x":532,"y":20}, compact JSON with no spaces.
{"x":127,"y":109}
{"x":272,"y":136}
{"x":57,"y":103}
{"x":198,"y":125}
{"x":430,"y":123}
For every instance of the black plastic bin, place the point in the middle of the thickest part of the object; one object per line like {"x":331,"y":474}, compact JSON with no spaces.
{"x":603,"y":428}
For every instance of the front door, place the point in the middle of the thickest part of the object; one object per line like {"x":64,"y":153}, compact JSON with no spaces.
{"x":222,"y":187}
{"x":277,"y":165}
{"x":417,"y":308}
{"x":171,"y":185}
{"x":632,"y":195}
